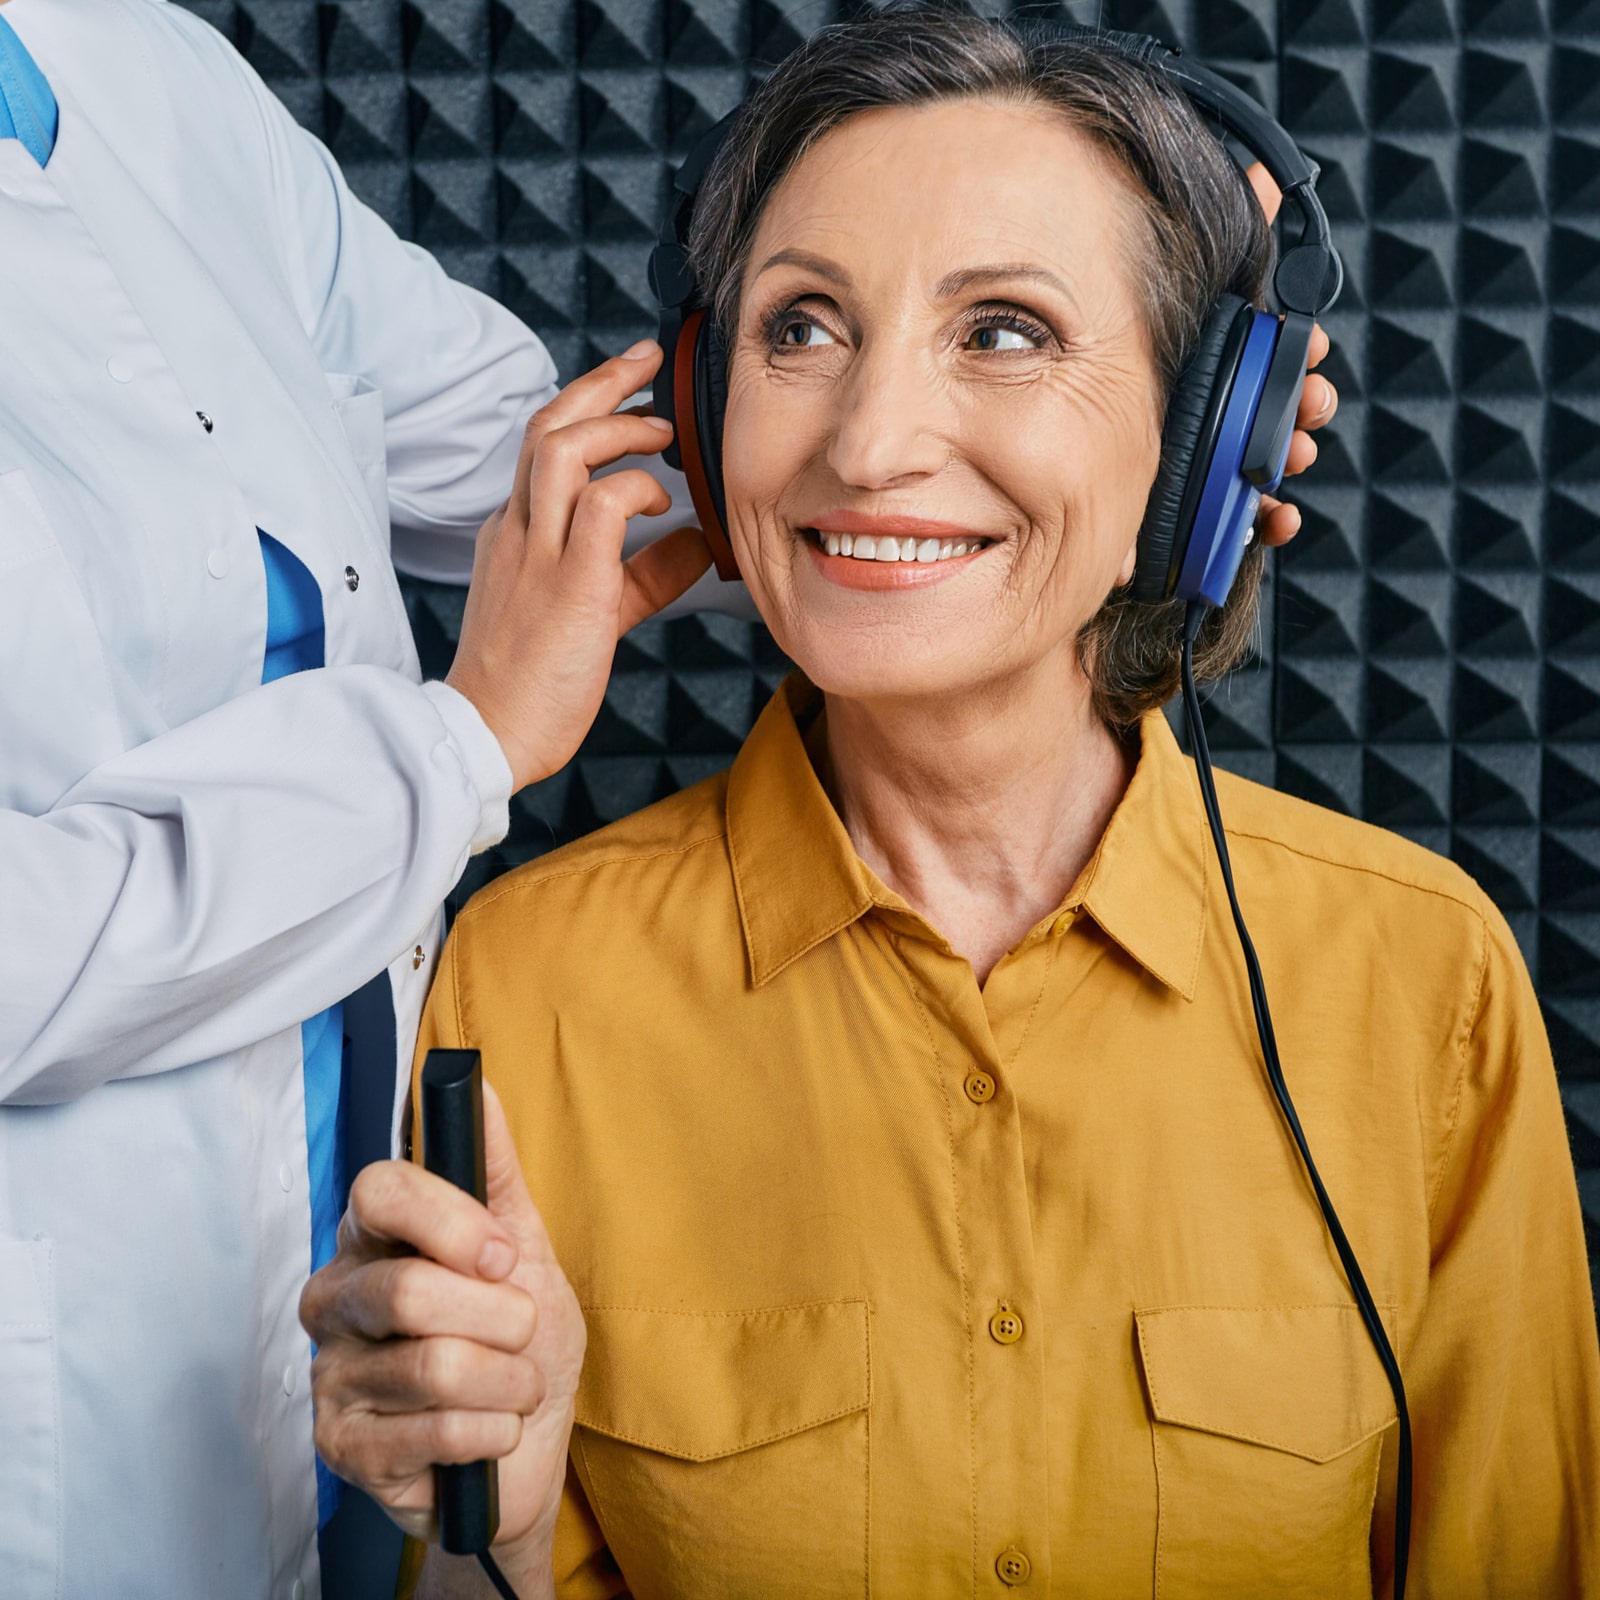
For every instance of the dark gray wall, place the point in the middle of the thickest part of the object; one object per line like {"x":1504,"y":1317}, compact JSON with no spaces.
{"x":1433,"y":660}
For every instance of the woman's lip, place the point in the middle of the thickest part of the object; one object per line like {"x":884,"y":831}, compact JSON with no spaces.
{"x":849,"y":573}
{"x":893,"y":527}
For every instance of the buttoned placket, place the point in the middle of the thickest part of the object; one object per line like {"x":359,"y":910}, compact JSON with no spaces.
{"x":1005,"y":1333}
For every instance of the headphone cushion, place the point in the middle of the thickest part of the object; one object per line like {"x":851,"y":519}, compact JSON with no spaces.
{"x":1162,"y":536}
{"x":711,"y":393}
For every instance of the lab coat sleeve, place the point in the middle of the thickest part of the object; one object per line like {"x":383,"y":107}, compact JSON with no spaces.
{"x":459,"y":374}
{"x":234,"y":876}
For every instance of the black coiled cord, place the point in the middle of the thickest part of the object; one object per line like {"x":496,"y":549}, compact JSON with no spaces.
{"x":1193,"y":618}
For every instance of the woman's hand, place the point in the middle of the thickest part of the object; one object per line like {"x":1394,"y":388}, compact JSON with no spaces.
{"x":551,"y":594}
{"x":447,"y":1332}
{"x":1278,"y":522}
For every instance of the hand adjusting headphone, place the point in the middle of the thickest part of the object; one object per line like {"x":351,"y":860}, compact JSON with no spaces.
{"x":1232,"y":411}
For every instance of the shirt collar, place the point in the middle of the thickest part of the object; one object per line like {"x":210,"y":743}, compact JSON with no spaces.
{"x":799,"y":881}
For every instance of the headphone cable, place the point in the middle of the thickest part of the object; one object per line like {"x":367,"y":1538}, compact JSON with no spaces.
{"x":496,"y":1576}
{"x":1194,"y":616}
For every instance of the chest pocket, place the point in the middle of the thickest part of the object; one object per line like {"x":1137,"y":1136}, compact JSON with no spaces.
{"x":1268,"y":1424}
{"x":58,"y":718}
{"x":725,"y":1453}
{"x":359,"y":408}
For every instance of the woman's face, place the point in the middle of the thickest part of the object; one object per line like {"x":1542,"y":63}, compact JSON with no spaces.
{"x":940,"y":345}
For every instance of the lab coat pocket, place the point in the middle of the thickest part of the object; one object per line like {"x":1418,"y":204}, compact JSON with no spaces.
{"x":725,"y":1453}
{"x":359,"y":407}
{"x":58,"y":716}
{"x":30,"y":1462}
{"x":1268,"y":1424}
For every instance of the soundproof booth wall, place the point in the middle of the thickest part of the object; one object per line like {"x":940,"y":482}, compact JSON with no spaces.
{"x":1431,"y":660}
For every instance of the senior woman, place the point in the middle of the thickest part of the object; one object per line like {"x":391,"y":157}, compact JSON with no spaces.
{"x":893,"y":1101}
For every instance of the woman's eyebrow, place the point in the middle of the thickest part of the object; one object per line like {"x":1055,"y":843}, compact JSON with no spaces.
{"x":820,"y":265}
{"x":955,"y":283}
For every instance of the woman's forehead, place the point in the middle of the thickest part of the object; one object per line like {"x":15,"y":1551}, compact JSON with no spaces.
{"x":944,"y":188}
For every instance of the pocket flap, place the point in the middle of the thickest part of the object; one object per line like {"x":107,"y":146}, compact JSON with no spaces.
{"x":1303,"y":1379}
{"x":698,"y":1384}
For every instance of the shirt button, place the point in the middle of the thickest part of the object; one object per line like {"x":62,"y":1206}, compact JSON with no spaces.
{"x":217,"y":563}
{"x":1013,"y":1566}
{"x":979,"y":1087}
{"x":1005,"y":1327}
{"x":352,"y":579}
{"x":120,"y":370}
{"x":285,"y":1177}
{"x":289,"y":1379}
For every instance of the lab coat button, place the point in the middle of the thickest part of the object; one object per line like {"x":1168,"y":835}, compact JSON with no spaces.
{"x":352,"y":579}
{"x":120,"y":370}
{"x":217,"y":563}
{"x":205,"y":421}
{"x":285,"y":1177}
{"x":288,"y":1379}
{"x":1014,"y":1567}
{"x":417,"y":958}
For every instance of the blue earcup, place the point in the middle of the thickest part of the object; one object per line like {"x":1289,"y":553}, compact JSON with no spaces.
{"x":1229,"y":495}
{"x":1188,"y":442}
{"x":1224,"y":445}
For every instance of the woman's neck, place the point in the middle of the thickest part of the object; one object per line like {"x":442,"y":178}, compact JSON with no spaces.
{"x":979,"y":813}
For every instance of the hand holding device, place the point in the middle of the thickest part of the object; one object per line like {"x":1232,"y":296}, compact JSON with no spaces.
{"x":447,"y":1333}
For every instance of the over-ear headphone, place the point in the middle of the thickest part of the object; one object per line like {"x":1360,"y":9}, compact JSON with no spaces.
{"x":1232,"y":410}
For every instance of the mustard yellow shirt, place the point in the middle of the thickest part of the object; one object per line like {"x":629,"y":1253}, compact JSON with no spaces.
{"x":897,"y":1286}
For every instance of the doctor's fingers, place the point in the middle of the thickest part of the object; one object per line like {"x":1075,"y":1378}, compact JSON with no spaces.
{"x":404,"y":1375}
{"x":394,"y":1205}
{"x":411,"y":1297}
{"x":392,"y":1456}
{"x":660,"y":573}
{"x":564,"y":463}
{"x":595,"y":394}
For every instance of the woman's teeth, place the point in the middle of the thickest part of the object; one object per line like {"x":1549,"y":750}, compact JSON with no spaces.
{"x":866,"y":547}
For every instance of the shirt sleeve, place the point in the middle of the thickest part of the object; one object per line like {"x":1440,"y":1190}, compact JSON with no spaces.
{"x":230,"y":878}
{"x":1503,"y":1378}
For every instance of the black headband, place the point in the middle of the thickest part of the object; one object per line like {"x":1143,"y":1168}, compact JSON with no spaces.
{"x":1310,"y":274}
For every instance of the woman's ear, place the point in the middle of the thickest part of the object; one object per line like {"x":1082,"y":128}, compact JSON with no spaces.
{"x":1129,"y":562}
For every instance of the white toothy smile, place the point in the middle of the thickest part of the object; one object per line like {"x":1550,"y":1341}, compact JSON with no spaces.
{"x":885,"y":547}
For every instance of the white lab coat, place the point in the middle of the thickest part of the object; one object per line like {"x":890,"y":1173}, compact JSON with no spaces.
{"x":191,"y":864}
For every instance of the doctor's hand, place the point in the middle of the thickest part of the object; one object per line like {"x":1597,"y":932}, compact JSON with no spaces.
{"x":551,"y":594}
{"x":447,"y":1332}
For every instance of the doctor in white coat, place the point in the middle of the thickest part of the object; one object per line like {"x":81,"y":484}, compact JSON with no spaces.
{"x":221,"y":379}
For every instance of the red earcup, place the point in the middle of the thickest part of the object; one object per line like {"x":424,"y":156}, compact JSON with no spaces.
{"x":690,"y":445}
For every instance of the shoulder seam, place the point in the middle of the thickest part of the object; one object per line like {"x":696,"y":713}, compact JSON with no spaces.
{"x":1464,"y":901}
{"x":499,"y":891}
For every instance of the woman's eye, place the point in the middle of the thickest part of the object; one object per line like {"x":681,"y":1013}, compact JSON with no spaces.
{"x":993,"y":338}
{"x":800,"y":333}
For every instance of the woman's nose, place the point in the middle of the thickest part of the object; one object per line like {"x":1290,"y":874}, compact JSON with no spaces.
{"x":888,"y":426}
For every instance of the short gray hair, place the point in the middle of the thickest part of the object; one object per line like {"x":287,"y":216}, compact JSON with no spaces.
{"x":1199,"y":233}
